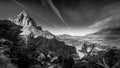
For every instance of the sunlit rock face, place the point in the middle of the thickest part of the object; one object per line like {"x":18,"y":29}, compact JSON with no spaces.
{"x":29,"y":26}
{"x":89,"y":49}
{"x":23,"y":19}
{"x":80,"y":54}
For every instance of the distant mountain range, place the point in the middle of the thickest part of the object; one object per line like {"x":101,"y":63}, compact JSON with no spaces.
{"x":107,"y":36}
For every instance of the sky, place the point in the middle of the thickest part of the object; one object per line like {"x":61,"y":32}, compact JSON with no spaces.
{"x":74,"y":17}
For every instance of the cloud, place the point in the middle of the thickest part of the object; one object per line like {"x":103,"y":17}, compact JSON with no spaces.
{"x":109,"y":17}
{"x":108,"y":23}
{"x":102,"y":23}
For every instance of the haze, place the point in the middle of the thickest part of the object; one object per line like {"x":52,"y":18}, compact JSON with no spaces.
{"x":79,"y":15}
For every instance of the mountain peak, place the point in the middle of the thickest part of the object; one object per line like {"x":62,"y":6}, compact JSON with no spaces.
{"x":29,"y":27}
{"x":23,"y":19}
{"x":24,"y":12}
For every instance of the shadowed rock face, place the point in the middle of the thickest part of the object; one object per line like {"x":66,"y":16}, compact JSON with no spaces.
{"x":22,"y":33}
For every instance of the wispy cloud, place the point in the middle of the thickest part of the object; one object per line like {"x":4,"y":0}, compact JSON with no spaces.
{"x":57,"y":13}
{"x":100,"y":24}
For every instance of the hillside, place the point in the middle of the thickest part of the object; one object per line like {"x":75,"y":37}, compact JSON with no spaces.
{"x":28,"y":43}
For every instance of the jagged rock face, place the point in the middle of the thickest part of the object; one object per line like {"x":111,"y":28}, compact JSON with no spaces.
{"x":29,"y":26}
{"x":23,"y":19}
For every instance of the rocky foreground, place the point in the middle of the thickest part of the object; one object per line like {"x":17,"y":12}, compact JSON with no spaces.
{"x":23,"y":44}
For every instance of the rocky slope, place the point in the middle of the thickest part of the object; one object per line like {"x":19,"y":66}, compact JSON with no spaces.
{"x":30,"y":32}
{"x":24,"y":39}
